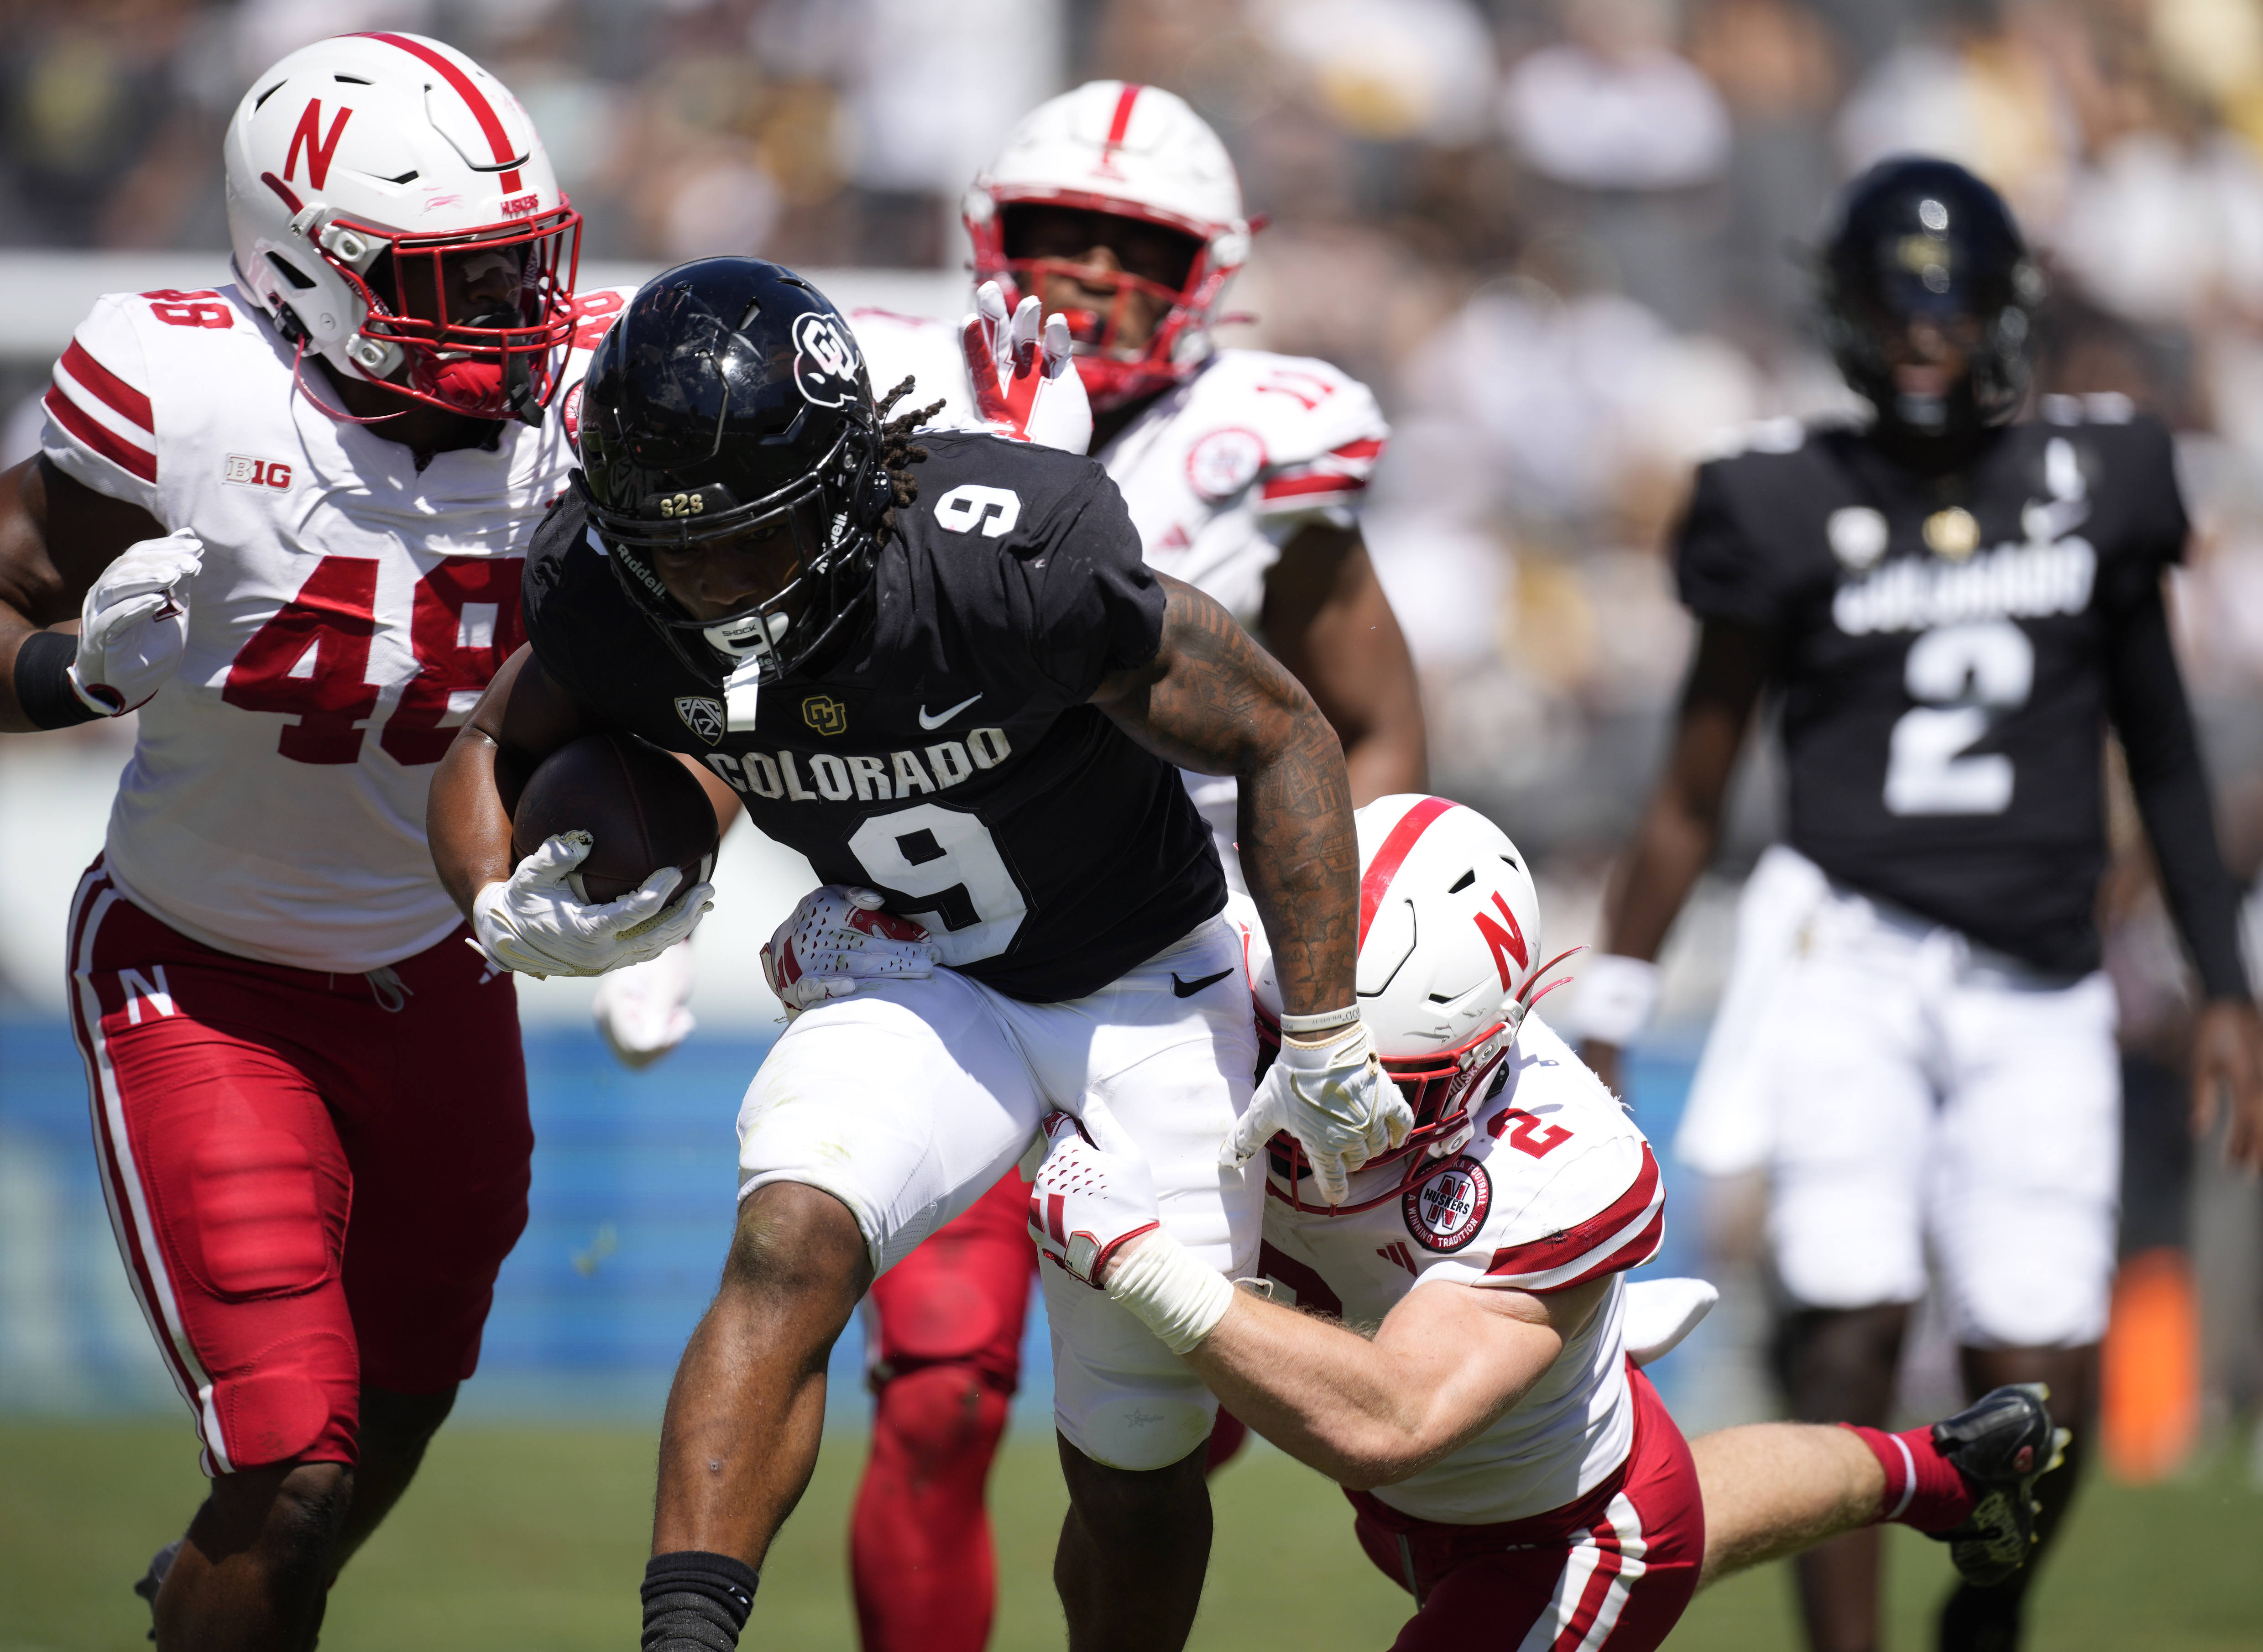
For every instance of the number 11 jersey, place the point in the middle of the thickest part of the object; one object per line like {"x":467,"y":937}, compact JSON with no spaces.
{"x":351,"y":609}
{"x":1945,"y":646}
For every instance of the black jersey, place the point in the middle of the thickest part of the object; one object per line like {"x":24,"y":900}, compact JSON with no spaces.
{"x":948,"y":757}
{"x":1940,"y":644}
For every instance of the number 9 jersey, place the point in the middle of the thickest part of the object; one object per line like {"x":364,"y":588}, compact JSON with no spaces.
{"x":353,"y":606}
{"x":1947,"y":650}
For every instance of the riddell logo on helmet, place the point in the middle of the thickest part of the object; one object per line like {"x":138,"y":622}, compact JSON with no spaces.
{"x":521,"y":205}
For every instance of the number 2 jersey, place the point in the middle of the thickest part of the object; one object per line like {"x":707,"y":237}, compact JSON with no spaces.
{"x":947,"y":755}
{"x":1556,"y":1187}
{"x":351,"y":609}
{"x":1944,"y":647}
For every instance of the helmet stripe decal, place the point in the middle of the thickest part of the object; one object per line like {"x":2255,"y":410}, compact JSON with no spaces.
{"x":482,"y":111}
{"x":1122,"y":123}
{"x":1388,"y":859}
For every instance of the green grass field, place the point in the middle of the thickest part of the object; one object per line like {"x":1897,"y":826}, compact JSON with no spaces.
{"x":532,"y":1541}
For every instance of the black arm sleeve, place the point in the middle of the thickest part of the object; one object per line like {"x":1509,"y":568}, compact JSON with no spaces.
{"x":2147,"y":700}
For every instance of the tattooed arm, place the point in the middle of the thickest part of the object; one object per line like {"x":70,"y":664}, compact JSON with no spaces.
{"x":1212,"y":700}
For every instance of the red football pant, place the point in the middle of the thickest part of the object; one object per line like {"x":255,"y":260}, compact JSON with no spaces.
{"x":946,"y":1329}
{"x":1614,"y":1569}
{"x":313,"y":1178}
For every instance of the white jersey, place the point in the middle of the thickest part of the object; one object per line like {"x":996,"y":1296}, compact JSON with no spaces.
{"x":1218,"y":472}
{"x":1556,"y":1187}
{"x":349,"y":610}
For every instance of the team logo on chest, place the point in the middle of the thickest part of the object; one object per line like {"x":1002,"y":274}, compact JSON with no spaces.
{"x":702,"y":717}
{"x":1445,"y":1209}
{"x":826,"y":714}
{"x":1224,"y":462}
{"x":246,"y":471}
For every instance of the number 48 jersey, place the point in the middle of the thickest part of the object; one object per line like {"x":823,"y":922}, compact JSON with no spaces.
{"x":351,"y":609}
{"x":1556,"y":1187}
{"x":1947,"y":650}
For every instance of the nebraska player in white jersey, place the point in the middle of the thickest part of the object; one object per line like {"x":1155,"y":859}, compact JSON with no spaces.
{"x":1507,"y":1461}
{"x":288,"y":511}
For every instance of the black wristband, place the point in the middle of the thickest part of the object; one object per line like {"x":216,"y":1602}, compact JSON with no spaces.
{"x":696,"y":1601}
{"x":43,"y":690}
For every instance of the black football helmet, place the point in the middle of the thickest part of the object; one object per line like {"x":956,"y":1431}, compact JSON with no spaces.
{"x":1920,"y":239}
{"x":731,"y":395}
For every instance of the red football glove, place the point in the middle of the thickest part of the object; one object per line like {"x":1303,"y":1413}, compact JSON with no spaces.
{"x":1025,"y":387}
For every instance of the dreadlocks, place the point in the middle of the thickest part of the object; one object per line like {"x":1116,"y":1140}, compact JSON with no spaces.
{"x":897,"y":453}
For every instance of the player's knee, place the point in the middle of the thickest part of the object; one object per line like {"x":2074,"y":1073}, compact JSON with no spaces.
{"x":796,"y":1242}
{"x":290,"y":1512}
{"x":945,"y":1418}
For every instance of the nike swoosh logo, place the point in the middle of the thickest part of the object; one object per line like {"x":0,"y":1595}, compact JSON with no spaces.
{"x":933,"y":723}
{"x":1188,"y":988}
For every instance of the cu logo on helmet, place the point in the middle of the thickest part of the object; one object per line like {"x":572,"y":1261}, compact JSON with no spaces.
{"x":825,"y":360}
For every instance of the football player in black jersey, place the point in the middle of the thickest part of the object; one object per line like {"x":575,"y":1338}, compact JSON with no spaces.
{"x":1916,"y":1041}
{"x":944,"y":673}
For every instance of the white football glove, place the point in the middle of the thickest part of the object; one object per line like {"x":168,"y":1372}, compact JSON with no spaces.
{"x":533,"y":922}
{"x":1093,"y":1194}
{"x":1026,"y":385}
{"x":1333,"y":1097}
{"x":641,"y":1009}
{"x":134,"y":625}
{"x":836,"y":938}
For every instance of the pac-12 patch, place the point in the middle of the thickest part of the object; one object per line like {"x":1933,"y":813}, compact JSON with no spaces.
{"x":1445,"y":1209}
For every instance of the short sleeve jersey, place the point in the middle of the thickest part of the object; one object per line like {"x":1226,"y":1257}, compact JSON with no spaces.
{"x":1556,"y":1187}
{"x":349,"y":611}
{"x":948,"y":756}
{"x":1939,"y":644}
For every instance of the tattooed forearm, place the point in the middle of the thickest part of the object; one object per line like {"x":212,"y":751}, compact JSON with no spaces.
{"x":1211,"y":699}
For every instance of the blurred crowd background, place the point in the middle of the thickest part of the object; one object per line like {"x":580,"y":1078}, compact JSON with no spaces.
{"x":1564,"y":240}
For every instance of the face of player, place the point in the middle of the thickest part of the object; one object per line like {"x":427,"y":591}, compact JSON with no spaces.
{"x":1097,"y":247}
{"x":1930,"y":355}
{"x":717,"y":578}
{"x":480,"y":287}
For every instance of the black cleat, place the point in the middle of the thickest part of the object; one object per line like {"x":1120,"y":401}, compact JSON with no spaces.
{"x":2001,"y":1445}
{"x":153,"y":1579}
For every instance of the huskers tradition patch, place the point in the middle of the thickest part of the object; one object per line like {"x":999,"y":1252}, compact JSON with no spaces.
{"x":1445,"y":1209}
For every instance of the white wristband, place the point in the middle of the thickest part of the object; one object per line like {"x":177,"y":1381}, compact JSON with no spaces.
{"x":1327,"y":1021}
{"x":1173,"y":1295}
{"x":1617,"y":996}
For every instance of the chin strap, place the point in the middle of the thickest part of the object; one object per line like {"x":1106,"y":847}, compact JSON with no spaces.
{"x":299,"y":383}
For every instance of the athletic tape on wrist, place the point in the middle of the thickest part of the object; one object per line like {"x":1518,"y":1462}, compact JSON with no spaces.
{"x":44,"y":693}
{"x":1617,"y":996}
{"x":1325,"y":1022}
{"x":1172,"y":1294}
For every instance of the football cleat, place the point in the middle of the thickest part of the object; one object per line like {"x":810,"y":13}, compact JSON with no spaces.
{"x":2001,"y":1445}
{"x":153,"y":1579}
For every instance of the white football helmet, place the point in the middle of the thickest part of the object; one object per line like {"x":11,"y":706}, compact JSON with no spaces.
{"x":1138,"y":152}
{"x":367,"y":163}
{"x":1449,"y":964}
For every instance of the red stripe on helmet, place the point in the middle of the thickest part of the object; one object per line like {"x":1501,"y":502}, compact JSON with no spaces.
{"x":120,"y":397}
{"x":1122,"y":123}
{"x":1392,"y":855}
{"x":290,"y":196}
{"x":482,"y":111}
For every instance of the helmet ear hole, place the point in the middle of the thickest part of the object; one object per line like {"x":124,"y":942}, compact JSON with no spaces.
{"x":291,"y":272}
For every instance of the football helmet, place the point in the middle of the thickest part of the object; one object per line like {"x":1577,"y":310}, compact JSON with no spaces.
{"x":367,"y":170}
{"x":1136,"y":152}
{"x":1920,"y":239}
{"x":1449,"y":964}
{"x":729,"y":396}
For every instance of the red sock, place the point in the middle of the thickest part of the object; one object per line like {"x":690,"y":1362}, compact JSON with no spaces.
{"x":919,"y":1555}
{"x":1923,"y":1489}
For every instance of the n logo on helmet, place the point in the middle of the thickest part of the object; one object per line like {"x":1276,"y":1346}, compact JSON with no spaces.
{"x":1509,"y":941}
{"x":970,"y":506}
{"x":825,"y":360}
{"x":318,"y":150}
